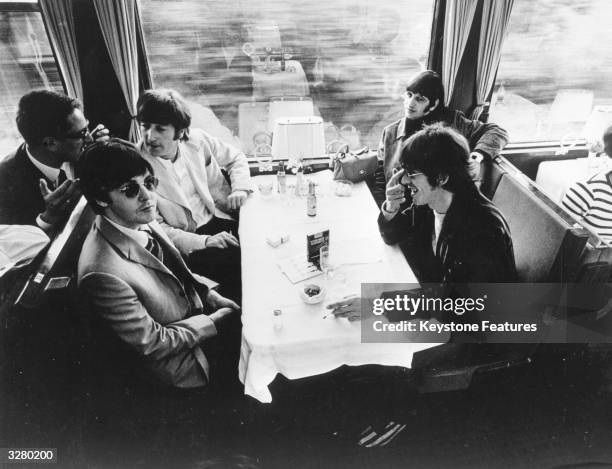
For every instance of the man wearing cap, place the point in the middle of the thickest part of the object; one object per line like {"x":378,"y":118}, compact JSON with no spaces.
{"x":424,"y":105}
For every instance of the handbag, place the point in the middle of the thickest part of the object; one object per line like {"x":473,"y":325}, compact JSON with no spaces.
{"x":356,"y":166}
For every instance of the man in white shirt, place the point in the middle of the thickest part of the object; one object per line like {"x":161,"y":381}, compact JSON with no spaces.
{"x":37,"y":183}
{"x":202,"y":184}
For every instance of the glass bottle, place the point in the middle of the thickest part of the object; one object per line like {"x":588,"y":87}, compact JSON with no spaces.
{"x":281,"y":178}
{"x":311,"y":201}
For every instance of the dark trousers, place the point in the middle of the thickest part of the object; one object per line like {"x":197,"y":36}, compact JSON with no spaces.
{"x":221,"y":265}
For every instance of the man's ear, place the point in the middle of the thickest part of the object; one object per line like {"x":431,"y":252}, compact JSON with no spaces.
{"x":182,"y":135}
{"x":433,"y":107}
{"x":50,"y":143}
{"x":442,"y":180}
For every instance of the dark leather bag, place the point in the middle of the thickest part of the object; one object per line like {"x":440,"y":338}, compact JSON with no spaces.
{"x":356,"y":166}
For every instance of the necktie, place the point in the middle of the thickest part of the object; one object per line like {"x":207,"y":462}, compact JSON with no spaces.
{"x":61,"y":178}
{"x":155,"y":248}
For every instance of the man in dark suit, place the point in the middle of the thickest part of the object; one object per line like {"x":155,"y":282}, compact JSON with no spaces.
{"x":37,"y":184}
{"x":135,"y":279}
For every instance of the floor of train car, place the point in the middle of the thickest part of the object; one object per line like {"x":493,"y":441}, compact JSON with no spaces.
{"x":552,"y":413}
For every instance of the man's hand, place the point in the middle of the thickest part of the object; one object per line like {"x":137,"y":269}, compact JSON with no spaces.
{"x":221,"y":240}
{"x":224,"y":308}
{"x":100,"y":133}
{"x":60,"y":202}
{"x":221,"y":315}
{"x":395,"y":193}
{"x":348,"y":307}
{"x":217,"y":301}
{"x":474,"y":165}
{"x":236,"y":199}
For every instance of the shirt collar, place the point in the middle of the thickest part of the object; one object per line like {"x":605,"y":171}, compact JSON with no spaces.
{"x":51,"y":173}
{"x":139,"y":236}
{"x":401,"y":129}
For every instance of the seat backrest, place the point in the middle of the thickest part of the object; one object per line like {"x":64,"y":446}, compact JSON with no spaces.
{"x":596,"y":264}
{"x":546,"y":247}
{"x":490,"y":175}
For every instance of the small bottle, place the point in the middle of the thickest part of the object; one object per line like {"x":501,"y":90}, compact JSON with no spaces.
{"x":277,"y":320}
{"x":281,"y":178}
{"x":311,"y":201}
{"x":299,"y":180}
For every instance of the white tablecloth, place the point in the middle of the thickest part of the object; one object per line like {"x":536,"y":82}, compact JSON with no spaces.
{"x":307,"y":344}
{"x":555,"y":177}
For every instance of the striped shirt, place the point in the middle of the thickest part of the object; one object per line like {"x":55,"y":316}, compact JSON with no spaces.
{"x":591,"y":203}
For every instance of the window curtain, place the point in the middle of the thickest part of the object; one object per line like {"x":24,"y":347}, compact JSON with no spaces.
{"x":495,"y":19}
{"x":59,"y":21}
{"x":117,"y":20}
{"x":458,"y":19}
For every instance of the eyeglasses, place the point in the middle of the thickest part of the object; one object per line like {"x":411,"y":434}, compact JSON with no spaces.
{"x":132,"y":189}
{"x":81,"y":134}
{"x":409,"y":176}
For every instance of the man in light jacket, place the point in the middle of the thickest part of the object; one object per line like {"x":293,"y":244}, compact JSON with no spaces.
{"x":135,"y":280}
{"x":203,"y":183}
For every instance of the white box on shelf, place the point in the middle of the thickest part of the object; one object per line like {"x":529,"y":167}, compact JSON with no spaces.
{"x":298,"y":137}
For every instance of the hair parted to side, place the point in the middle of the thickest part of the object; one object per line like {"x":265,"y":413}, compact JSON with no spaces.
{"x":105,"y":166}
{"x":439,"y":151}
{"x":165,"y":106}
{"x":44,"y":113}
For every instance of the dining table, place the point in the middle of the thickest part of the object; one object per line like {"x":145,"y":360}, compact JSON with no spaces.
{"x":282,"y":333}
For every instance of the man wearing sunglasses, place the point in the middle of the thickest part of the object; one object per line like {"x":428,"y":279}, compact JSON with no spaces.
{"x":37,"y":184}
{"x":135,"y":279}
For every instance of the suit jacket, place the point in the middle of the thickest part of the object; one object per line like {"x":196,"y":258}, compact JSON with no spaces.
{"x":157,"y":315}
{"x":20,"y":198}
{"x":474,"y":244}
{"x":205,"y":156}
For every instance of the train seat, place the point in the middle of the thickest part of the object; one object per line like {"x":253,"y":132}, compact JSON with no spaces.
{"x":547,"y":248}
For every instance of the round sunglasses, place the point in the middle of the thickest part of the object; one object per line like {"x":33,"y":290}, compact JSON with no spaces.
{"x":132,"y":189}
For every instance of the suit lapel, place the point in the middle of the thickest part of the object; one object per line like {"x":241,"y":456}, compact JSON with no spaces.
{"x":173,"y":257}
{"x":31,"y":174}
{"x":198,"y":177}
{"x":129,"y":248}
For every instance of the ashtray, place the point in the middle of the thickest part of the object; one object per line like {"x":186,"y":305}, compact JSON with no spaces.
{"x":312,"y":293}
{"x":343,"y":188}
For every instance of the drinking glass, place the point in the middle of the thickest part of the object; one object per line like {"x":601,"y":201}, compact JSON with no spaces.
{"x":325,"y":262}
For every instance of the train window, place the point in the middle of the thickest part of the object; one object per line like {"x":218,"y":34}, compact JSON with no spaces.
{"x":26,"y":63}
{"x":343,"y":61}
{"x":555,"y":69}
